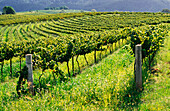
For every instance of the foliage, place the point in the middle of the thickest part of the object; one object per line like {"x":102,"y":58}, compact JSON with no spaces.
{"x":156,"y":91}
{"x":126,"y":17}
{"x":166,"y":10}
{"x":150,"y":38}
{"x":8,"y":10}
{"x":89,"y":90}
{"x":52,"y":46}
{"x":53,"y":43}
{"x":56,"y":8}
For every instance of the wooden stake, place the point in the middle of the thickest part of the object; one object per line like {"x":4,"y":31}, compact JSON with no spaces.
{"x":30,"y":73}
{"x":138,"y":68}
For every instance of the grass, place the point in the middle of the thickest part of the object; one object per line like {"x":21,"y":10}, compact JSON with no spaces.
{"x":156,"y":95}
{"x":98,"y":87}
{"x":108,"y":85}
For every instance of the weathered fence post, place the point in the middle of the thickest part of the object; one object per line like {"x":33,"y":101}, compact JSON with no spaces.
{"x":30,"y":73}
{"x":138,"y":67}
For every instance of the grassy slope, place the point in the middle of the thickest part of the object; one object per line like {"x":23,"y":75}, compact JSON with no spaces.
{"x":101,"y":86}
{"x":104,"y":86}
{"x":156,"y":95}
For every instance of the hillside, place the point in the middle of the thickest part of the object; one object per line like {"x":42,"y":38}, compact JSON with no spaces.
{"x":81,"y":62}
{"x":99,"y":5}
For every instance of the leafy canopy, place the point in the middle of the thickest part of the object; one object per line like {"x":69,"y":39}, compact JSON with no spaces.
{"x":8,"y":10}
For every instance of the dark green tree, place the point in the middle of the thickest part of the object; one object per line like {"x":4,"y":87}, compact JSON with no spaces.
{"x":47,"y":8}
{"x":166,"y":10}
{"x":8,"y":10}
{"x":65,"y":8}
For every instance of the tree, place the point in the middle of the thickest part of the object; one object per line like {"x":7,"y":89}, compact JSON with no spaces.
{"x":57,"y":8}
{"x":166,"y":10}
{"x":65,"y":8}
{"x":8,"y":10}
{"x":47,"y":8}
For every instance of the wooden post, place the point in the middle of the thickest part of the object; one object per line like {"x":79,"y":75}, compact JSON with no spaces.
{"x":138,"y":67}
{"x":30,"y":73}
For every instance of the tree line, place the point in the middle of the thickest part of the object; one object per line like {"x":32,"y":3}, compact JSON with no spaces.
{"x":56,"y":8}
{"x":166,"y":10}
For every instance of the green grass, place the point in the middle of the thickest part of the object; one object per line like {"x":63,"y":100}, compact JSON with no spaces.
{"x":108,"y":85}
{"x":98,"y":87}
{"x":156,"y":95}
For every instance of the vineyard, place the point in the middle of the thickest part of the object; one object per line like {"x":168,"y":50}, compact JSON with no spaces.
{"x":59,"y":42}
